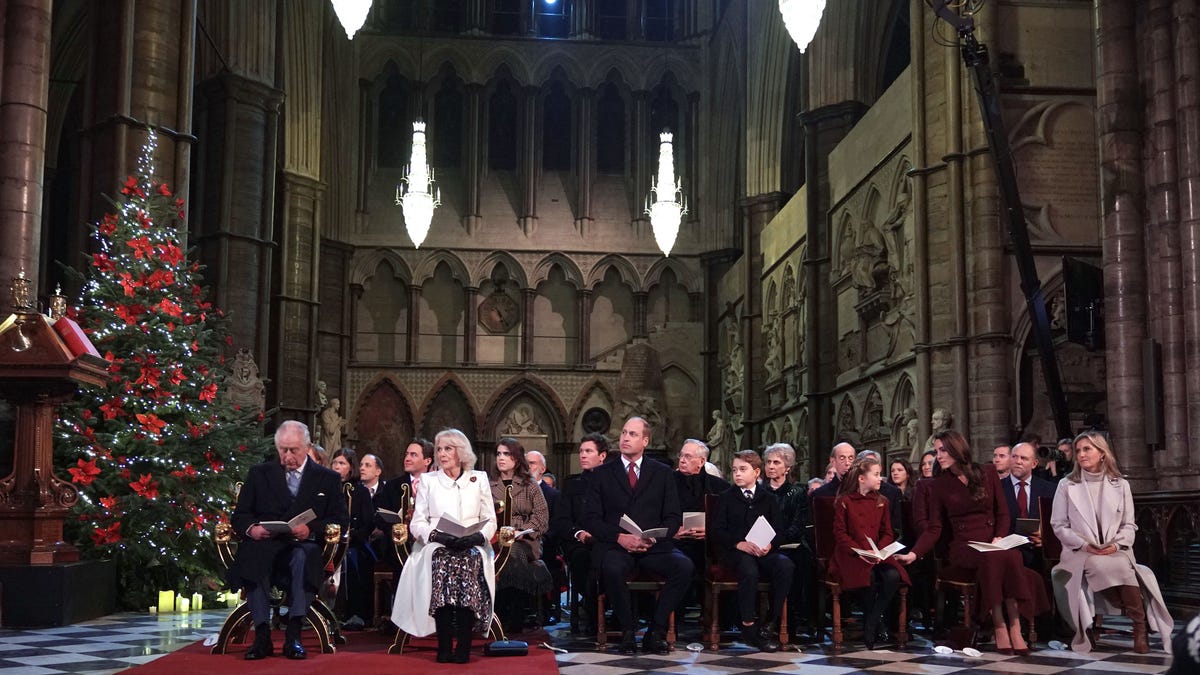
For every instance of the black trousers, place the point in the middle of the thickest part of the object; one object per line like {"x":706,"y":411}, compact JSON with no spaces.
{"x":775,"y":568}
{"x":674,"y":567}
{"x":579,"y":566}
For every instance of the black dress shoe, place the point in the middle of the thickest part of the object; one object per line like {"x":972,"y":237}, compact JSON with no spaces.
{"x":627,"y":646}
{"x":259,"y":650}
{"x":655,"y":643}
{"x":294,"y":650}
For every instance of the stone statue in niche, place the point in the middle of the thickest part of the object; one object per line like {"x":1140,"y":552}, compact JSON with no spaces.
{"x":521,"y":421}
{"x":845,"y":427}
{"x":787,"y":433}
{"x":908,"y":430}
{"x":845,"y":252}
{"x":720,"y":439}
{"x":873,"y":426}
{"x":869,"y":264}
{"x":774,"y":360}
{"x":940,"y":420}
{"x":332,"y":425}
{"x":734,"y":366}
{"x":245,"y":388}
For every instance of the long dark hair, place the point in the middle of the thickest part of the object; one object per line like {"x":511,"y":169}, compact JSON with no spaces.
{"x":909,"y":479}
{"x":956,"y":446}
{"x":520,"y":464}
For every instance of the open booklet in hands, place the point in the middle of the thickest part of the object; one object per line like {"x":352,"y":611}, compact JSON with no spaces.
{"x":877,"y":553}
{"x":761,"y":533}
{"x":285,"y":526}
{"x":1011,"y":541}
{"x":450,"y":525}
{"x":631,"y":527}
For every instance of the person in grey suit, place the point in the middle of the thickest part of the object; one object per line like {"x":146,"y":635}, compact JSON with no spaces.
{"x":279,"y":490}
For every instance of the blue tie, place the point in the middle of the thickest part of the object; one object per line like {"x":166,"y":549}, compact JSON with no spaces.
{"x":293,"y":482}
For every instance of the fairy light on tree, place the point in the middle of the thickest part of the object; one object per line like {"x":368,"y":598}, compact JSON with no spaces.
{"x":156,"y":453}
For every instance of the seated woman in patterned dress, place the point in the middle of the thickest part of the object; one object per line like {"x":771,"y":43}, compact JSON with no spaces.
{"x":966,"y":497}
{"x":448,"y":585}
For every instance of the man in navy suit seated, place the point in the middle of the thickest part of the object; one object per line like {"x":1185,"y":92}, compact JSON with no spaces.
{"x":278,"y":490}
{"x":644,"y":490}
{"x":1022,"y":490}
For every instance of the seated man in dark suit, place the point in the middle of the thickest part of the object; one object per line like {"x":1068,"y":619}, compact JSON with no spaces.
{"x":645,"y":491}
{"x":840,"y":458}
{"x":1022,"y":490}
{"x":694,"y":484}
{"x":280,"y":490}
{"x":576,"y":541}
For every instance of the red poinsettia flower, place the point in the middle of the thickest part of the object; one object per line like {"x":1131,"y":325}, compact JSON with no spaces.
{"x":209,"y":392}
{"x":107,"y":535}
{"x":151,"y":423}
{"x":86,"y":414}
{"x":148,"y":377}
{"x":102,"y":262}
{"x":177,"y":376}
{"x":129,"y":313}
{"x":142,"y":248}
{"x":85,"y":473}
{"x":109,"y":502}
{"x":125,"y":474}
{"x":164,"y":190}
{"x":214,"y":461}
{"x":144,"y":220}
{"x":188,"y":471}
{"x":171,"y":254}
{"x":112,"y":409}
{"x":130,"y":187}
{"x":145,"y":486}
{"x":160,"y":278}
{"x":108,"y":226}
{"x":167,"y":306}
{"x":128,"y":283}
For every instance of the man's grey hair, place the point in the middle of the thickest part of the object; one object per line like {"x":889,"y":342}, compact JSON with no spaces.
{"x":786,"y":453}
{"x":465,"y":454}
{"x":528,"y":453}
{"x":291,"y":426}
{"x":816,"y":481}
{"x":833,"y":450}
{"x":868,"y":453}
{"x":699,"y":444}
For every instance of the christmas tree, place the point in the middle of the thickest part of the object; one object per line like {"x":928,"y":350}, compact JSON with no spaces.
{"x":157,"y":452}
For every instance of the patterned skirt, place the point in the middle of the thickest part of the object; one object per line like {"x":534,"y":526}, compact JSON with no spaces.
{"x":458,"y":581}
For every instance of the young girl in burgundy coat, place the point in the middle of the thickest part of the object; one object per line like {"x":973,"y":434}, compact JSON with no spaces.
{"x":859,"y":513}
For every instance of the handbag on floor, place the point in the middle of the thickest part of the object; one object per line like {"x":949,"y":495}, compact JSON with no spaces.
{"x":506,"y":648}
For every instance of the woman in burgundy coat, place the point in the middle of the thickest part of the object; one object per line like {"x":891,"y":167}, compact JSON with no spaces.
{"x":860,"y":512}
{"x":966,"y":497}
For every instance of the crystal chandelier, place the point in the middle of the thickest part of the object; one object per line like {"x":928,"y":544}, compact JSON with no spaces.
{"x":418,"y":197}
{"x":668,"y":206}
{"x":352,"y":14}
{"x":801,"y":17}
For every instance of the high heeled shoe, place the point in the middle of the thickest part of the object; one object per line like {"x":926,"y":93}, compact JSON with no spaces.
{"x":1019,"y":651}
{"x":1005,"y":650}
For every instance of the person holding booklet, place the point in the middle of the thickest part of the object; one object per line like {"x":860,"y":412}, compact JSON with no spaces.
{"x":1093,"y":518}
{"x":965,"y":497}
{"x":864,"y":544}
{"x":448,"y":585}
{"x":283,"y":490}
{"x":525,"y":574}
{"x":747,"y":525}
{"x":644,"y":490}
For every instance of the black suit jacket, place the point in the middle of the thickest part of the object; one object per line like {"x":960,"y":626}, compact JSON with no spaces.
{"x":733,"y":517}
{"x":692,"y":489}
{"x":265,"y":496}
{"x":550,"y":542}
{"x":1037,"y":487}
{"x":655,"y":503}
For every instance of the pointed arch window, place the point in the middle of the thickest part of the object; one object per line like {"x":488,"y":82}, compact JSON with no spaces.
{"x":610,"y":131}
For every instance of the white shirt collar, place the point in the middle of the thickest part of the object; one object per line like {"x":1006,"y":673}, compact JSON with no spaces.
{"x":299,"y":468}
{"x":637,"y":463}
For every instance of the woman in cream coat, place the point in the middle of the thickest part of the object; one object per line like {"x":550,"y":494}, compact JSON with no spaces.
{"x":1093,"y":518}
{"x":448,"y":585}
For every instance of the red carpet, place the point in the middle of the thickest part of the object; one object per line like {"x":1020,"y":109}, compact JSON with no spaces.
{"x":366,"y":653}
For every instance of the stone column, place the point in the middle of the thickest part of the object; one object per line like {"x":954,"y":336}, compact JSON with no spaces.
{"x":644,"y":154}
{"x":528,"y":295}
{"x":1118,"y":118}
{"x":585,"y":102}
{"x":1186,"y":25}
{"x":582,"y":19}
{"x":474,"y":141}
{"x":530,"y":129}
{"x":471,"y":327}
{"x":583,"y":357}
{"x":24,"y":93}
{"x":412,"y":352}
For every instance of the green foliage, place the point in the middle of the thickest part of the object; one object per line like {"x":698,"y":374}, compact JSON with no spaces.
{"x":156,"y":453}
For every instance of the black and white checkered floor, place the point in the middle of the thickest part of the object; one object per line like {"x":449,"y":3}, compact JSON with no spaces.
{"x":120,"y":641}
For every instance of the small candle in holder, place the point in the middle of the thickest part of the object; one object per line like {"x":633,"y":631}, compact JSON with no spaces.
{"x":166,"y":601}
{"x":153,"y":609}
{"x":197,"y":602}
{"x":184,"y":605}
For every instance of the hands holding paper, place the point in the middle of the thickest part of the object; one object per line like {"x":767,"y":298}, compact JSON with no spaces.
{"x":634,"y":543}
{"x":753,"y":549}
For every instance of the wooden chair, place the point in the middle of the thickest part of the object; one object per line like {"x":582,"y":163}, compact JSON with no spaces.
{"x":823,"y":539}
{"x":719,"y":579}
{"x":237,"y":625}
{"x":501,"y":545}
{"x":637,"y":582}
{"x":385,"y":572}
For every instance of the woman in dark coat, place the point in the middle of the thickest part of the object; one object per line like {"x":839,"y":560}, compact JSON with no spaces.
{"x":966,"y":497}
{"x":859,"y":513}
{"x":359,"y":564}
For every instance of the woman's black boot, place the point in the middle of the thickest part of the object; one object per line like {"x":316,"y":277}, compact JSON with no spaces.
{"x":443,"y":619}
{"x":465,"y":618}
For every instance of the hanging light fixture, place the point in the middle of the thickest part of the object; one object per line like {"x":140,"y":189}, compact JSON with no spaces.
{"x":417,"y":196}
{"x":801,"y":17}
{"x":668,"y":206}
{"x":352,"y":14}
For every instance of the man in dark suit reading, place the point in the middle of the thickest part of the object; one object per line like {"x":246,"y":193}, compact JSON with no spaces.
{"x":645,"y":491}
{"x":1022,"y":490}
{"x":278,"y":490}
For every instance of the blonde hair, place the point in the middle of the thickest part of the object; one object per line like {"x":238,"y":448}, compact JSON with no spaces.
{"x":1100,"y":442}
{"x":465,"y":454}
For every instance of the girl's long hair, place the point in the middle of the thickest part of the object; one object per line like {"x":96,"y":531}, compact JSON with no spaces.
{"x":849,"y":484}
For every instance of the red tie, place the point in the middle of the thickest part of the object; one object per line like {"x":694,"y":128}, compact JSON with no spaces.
{"x":632,"y":476}
{"x":1022,"y":500}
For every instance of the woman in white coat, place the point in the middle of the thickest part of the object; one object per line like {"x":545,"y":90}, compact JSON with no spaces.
{"x":1093,"y":518}
{"x":448,"y":585}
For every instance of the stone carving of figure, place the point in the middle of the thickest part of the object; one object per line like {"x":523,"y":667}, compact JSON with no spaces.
{"x":332,"y":425}
{"x":322,"y":398}
{"x":774,"y":361}
{"x":522,"y":422}
{"x":940,"y":420}
{"x":908,"y":430}
{"x":720,"y":439}
{"x":245,"y":387}
{"x":735,"y":365}
{"x":869,"y":260}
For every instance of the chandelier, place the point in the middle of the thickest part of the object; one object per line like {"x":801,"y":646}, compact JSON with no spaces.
{"x":801,"y":17}
{"x":352,"y":14}
{"x":668,"y":206}
{"x":417,"y":196}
